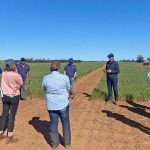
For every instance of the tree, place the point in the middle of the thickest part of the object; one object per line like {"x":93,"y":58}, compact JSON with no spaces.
{"x":140,"y":58}
{"x":148,"y":59}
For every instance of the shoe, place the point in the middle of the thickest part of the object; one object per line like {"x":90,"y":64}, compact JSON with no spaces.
{"x":109,"y":100}
{"x":115,"y":102}
{"x":11,"y":139}
{"x":67,"y":146}
{"x":55,"y":147}
{"x":23,"y":99}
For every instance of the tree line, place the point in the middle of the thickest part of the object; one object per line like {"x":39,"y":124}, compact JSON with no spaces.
{"x":139,"y":59}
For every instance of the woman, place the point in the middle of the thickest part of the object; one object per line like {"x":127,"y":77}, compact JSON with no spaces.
{"x":10,"y":84}
{"x":57,"y":87}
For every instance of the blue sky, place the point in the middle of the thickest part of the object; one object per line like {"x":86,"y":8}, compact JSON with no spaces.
{"x":82,"y":29}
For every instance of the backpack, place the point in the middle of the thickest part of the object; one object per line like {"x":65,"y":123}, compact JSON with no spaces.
{"x":148,"y":76}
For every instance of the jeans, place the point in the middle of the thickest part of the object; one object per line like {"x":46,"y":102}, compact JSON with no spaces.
{"x":10,"y":106}
{"x":64,"y":117}
{"x":23,"y":91}
{"x":112,"y":82}
{"x":71,"y":83}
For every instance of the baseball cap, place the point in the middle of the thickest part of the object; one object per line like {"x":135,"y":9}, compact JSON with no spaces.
{"x":23,"y":59}
{"x":10,"y":62}
{"x":71,"y":60}
{"x":110,"y":55}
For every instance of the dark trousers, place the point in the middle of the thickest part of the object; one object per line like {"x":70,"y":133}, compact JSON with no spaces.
{"x":71,"y":83}
{"x":10,"y":106}
{"x":112,"y":84}
{"x":64,"y":117}
{"x":23,"y":91}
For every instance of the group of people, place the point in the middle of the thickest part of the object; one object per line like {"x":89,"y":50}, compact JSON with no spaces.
{"x":12,"y":90}
{"x":57,"y":87}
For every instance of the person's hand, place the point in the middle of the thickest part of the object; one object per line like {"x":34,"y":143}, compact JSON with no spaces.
{"x":29,"y":81}
{"x":109,"y":71}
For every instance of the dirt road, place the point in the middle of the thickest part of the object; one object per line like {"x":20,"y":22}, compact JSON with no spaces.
{"x":95,"y":125}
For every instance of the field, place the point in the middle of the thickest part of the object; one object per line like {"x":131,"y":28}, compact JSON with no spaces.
{"x":39,"y":70}
{"x":133,"y":84}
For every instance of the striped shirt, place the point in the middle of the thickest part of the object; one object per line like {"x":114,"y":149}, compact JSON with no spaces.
{"x":56,"y":87}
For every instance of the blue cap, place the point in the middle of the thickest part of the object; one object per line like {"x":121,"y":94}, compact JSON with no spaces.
{"x":110,"y":55}
{"x":23,"y":59}
{"x":71,"y":60}
{"x":10,"y":62}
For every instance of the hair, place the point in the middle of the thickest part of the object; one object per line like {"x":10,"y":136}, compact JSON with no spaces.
{"x":10,"y":68}
{"x":55,"y":66}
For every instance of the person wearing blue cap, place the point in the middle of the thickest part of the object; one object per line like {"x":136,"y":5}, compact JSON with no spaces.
{"x":24,"y":71}
{"x":112,"y":70}
{"x":71,"y":71}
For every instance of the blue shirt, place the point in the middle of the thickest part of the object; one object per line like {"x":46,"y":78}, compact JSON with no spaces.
{"x":70,"y":70}
{"x":114,"y":67}
{"x":23,"y":70}
{"x":1,"y":70}
{"x":56,"y":87}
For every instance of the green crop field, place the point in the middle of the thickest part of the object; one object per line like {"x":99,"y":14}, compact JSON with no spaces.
{"x":39,"y":70}
{"x":133,"y":84}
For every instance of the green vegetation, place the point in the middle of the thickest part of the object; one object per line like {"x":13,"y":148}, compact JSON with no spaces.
{"x":39,"y":70}
{"x":133,"y":84}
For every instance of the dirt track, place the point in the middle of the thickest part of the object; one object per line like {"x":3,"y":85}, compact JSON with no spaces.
{"x":95,"y":125}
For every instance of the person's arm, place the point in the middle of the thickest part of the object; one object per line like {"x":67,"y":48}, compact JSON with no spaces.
{"x":75,"y":74}
{"x":65,"y":71}
{"x":19,"y":80}
{"x":44,"y":84}
{"x":29,"y":75}
{"x":68,"y":86}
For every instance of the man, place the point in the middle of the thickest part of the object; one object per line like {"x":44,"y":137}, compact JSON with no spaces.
{"x":112,"y":70}
{"x":71,"y":71}
{"x":24,"y":71}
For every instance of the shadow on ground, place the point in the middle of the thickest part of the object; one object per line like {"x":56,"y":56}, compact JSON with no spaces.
{"x":137,"y":108}
{"x":42,"y":126}
{"x":89,"y":96}
{"x":127,"y":121}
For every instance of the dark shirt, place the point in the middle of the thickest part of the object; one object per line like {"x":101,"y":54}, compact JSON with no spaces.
{"x":70,"y":70}
{"x":23,"y":70}
{"x":1,"y":70}
{"x":114,"y":67}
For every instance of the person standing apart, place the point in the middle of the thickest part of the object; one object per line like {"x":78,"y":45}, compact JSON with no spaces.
{"x":71,"y":71}
{"x":24,"y":71}
{"x":10,"y":84}
{"x":57,"y":87}
{"x":112,"y":70}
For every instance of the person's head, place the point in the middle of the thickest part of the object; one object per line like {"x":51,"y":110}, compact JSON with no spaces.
{"x":111,"y":57}
{"x":10,"y":68}
{"x":23,"y":61}
{"x":55,"y":66}
{"x":71,"y":61}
